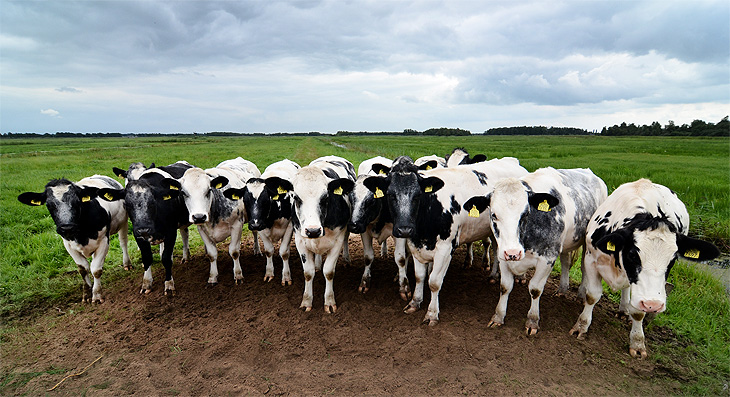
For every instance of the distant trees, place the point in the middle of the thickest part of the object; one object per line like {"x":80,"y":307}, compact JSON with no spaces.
{"x":536,"y":131}
{"x":696,"y":128}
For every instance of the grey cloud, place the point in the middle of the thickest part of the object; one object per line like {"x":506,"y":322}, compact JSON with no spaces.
{"x":68,"y":89}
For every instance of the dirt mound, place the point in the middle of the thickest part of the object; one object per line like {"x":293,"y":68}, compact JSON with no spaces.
{"x":254,"y":339}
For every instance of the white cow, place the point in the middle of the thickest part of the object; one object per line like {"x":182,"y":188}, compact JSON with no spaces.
{"x":632,"y":242}
{"x":536,"y":219}
{"x":217,"y":217}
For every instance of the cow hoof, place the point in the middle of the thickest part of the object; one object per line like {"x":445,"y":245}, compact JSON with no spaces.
{"x":145,"y":291}
{"x":530,"y":331}
{"x":268,"y":279}
{"x":239,"y":281}
{"x":578,"y":334}
{"x":363,"y":289}
{"x":127,"y":268}
{"x":212,"y":284}
{"x":286,"y":282}
{"x":410,"y":309}
{"x":432,"y":322}
{"x":405,"y":295}
{"x":494,"y":324}
{"x":640,"y":354}
{"x":492,"y":281}
{"x":327,"y":309}
{"x":306,"y":308}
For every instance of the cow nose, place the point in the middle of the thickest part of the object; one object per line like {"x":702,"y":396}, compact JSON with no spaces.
{"x":64,"y":228}
{"x":512,"y":255}
{"x":355,"y":227}
{"x":313,"y":232}
{"x":403,"y":231}
{"x":199,"y":218}
{"x":144,"y":232}
{"x":255,"y":225}
{"x":651,"y":306}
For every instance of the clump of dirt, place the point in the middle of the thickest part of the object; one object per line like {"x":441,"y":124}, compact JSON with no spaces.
{"x":254,"y":339}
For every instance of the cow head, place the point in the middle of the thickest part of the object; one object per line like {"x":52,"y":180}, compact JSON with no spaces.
{"x":510,"y":205}
{"x":646,"y":248}
{"x":198,"y":191}
{"x":149,"y":202}
{"x":264,"y":200}
{"x":460,"y":156}
{"x":65,"y":201}
{"x":319,"y":202}
{"x":366,"y":204}
{"x":134,"y":171}
{"x":404,"y":188}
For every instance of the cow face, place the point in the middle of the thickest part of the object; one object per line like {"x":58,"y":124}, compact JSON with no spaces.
{"x":366,"y":205}
{"x":65,"y":202}
{"x":133,"y":173}
{"x":647,"y":249}
{"x":197,"y":191}
{"x":319,"y":202}
{"x":149,"y":206}
{"x":264,"y":202}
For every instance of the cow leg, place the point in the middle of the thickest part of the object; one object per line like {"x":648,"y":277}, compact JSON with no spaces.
{"x":346,"y":249}
{"x":329,"y":276}
{"x":284,"y":249}
{"x":624,"y":306}
{"x":369,"y":254}
{"x":566,"y":261}
{"x":401,"y":259}
{"x":256,"y":247}
{"x":536,"y":287}
{"x":97,"y":264}
{"x":184,"y":236}
{"x":124,"y":243}
{"x":493,"y":260}
{"x":234,"y":249}
{"x":592,"y":288}
{"x":507,"y":282}
{"x":317,"y":262}
{"x":440,"y":265}
{"x":384,"y":249}
{"x":308,"y":267}
{"x":637,"y":349}
{"x":420,"y":272}
{"x":269,"y":253}
{"x":83,"y":265}
{"x":212,"y":251}
{"x":145,"y":250}
{"x":166,"y":260}
{"x":469,"y":257}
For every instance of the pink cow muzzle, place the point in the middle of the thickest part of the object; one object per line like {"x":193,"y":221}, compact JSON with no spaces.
{"x":512,"y":255}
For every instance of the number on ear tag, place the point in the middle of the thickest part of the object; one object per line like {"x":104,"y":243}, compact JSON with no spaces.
{"x":693,"y":253}
{"x":474,"y":212}
{"x":35,"y":202}
{"x":281,"y":190}
{"x":610,"y":247}
{"x":85,"y":199}
{"x":338,"y":191}
{"x":544,"y":206}
{"x":378,"y":193}
{"x":173,"y":187}
{"x":108,"y":196}
{"x":166,"y":197}
{"x":428,"y":189}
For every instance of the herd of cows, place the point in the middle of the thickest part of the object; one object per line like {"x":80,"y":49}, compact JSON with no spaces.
{"x":631,"y":238}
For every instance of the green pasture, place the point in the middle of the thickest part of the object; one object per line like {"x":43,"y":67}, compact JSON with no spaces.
{"x":36,"y":272}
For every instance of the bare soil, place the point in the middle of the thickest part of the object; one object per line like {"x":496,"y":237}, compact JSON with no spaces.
{"x":253,"y":339}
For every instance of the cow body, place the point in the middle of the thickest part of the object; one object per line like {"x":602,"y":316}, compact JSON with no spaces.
{"x":320,"y":217}
{"x":85,"y":224}
{"x":427,"y":211}
{"x":632,"y":242}
{"x":268,"y":210}
{"x":371,"y":219}
{"x":216,"y":216}
{"x":536,"y":219}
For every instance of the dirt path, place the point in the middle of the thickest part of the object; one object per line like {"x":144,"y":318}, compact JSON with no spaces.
{"x":253,"y":339}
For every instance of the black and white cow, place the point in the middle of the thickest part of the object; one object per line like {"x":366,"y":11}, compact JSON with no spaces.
{"x":268,"y":210}
{"x":371,"y":219}
{"x":536,"y":219}
{"x":157,"y":212}
{"x":460,"y":156}
{"x":430,"y":162}
{"x":216,"y":216}
{"x":427,"y":210}
{"x":321,"y":213}
{"x":632,"y":242}
{"x":85,"y":224}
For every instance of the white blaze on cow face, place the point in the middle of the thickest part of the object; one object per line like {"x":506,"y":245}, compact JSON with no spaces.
{"x":310,"y":187}
{"x":507,"y":204}
{"x":63,"y":206}
{"x":657,"y":249}
{"x":197,"y":193}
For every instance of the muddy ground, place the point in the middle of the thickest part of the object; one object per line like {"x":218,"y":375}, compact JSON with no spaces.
{"x":254,"y":339}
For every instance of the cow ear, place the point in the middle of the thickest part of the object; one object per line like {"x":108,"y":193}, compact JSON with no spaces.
{"x":88,"y":193}
{"x":34,"y":199}
{"x":380,"y":169}
{"x":479,"y":158}
{"x":171,"y":184}
{"x":544,"y":202}
{"x":611,"y":243}
{"x":218,"y":182}
{"x":696,"y":250}
{"x":428,"y":165}
{"x":111,"y":194}
{"x":234,"y":194}
{"x":119,"y":172}
{"x":431,"y":184}
{"x":377,"y":184}
{"x":477,"y":204}
{"x":152,"y":165}
{"x":278,"y":186}
{"x":340,"y":186}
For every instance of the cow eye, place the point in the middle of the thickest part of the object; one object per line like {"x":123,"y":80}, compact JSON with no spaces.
{"x":494,"y":217}
{"x":634,"y":256}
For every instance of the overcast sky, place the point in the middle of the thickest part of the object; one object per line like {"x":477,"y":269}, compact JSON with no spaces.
{"x":300,"y":66}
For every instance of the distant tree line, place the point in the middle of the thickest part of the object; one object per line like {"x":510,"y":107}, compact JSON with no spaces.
{"x":539,"y":130}
{"x":443,"y":131}
{"x":697,"y":128}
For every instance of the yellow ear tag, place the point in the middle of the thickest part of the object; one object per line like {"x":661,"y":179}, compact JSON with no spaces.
{"x":428,"y":189}
{"x":382,"y":172}
{"x":544,"y":206}
{"x":275,"y":197}
{"x":173,"y":187}
{"x":35,"y":202}
{"x":234,"y":196}
{"x":474,"y":212}
{"x":693,"y":253}
{"x":281,"y":190}
{"x":610,"y":246}
{"x":166,"y":197}
{"x":218,"y":186}
{"x":378,"y":193}
{"x":428,"y":167}
{"x":85,"y":199}
{"x":338,"y":191}
{"x":108,"y":196}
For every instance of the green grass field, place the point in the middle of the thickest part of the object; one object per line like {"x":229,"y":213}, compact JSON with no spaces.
{"x":36,"y":272}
